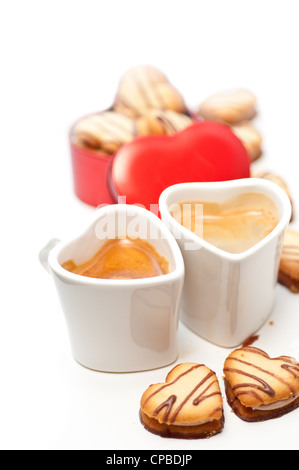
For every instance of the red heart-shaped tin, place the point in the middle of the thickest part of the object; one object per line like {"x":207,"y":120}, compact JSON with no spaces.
{"x":205,"y":151}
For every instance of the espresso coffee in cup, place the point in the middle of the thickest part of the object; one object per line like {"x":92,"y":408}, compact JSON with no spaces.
{"x":228,"y":295}
{"x":234,"y":225}
{"x":120,"y":323}
{"x":122,"y":259}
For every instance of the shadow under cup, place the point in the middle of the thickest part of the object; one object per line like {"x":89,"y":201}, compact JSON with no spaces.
{"x":227,"y":297}
{"x":121,"y":325}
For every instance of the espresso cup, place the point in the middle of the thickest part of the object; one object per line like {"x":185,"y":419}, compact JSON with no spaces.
{"x":119,"y":325}
{"x":227,"y":297}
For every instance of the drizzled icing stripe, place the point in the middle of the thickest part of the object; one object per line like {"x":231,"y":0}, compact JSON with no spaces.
{"x":107,"y":127}
{"x":146,"y":83}
{"x":128,"y":101}
{"x":169,"y":126}
{"x":255,"y":351}
{"x":159,"y":95}
{"x":288,"y":365}
{"x":291,"y":251}
{"x":143,"y":91}
{"x":264,"y":387}
{"x":122,"y":123}
{"x":173,"y":418}
{"x":290,"y":368}
{"x":174,"y":381}
{"x":118,"y":129}
{"x":291,"y":247}
{"x":173,"y":123}
{"x":201,"y":397}
{"x":169,"y":403}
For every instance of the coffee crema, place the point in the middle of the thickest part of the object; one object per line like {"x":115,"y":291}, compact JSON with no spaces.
{"x":234,"y":225}
{"x":122,"y":259}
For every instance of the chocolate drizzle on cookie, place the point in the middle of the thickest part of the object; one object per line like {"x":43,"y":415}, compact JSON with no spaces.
{"x":146,"y":87}
{"x":292,"y":368}
{"x":280,"y":392}
{"x":174,"y":381}
{"x":197,"y":400}
{"x":144,"y":81}
{"x":105,"y":131}
{"x":167,"y":124}
{"x":264,"y":386}
{"x":292,"y":252}
{"x":168,"y":404}
{"x":187,"y":405}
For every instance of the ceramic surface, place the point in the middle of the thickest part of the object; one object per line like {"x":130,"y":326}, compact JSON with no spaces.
{"x":227,"y":297}
{"x":120,"y":325}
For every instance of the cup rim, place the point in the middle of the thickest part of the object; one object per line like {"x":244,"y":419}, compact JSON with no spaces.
{"x":177,"y":272}
{"x":253,"y":183}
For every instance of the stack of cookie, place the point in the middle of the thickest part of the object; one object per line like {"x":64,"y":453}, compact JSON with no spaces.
{"x":145,"y":103}
{"x":104,"y":132}
{"x":235,"y":108}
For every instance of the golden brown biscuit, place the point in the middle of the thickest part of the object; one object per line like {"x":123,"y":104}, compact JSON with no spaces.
{"x":251,"y":139}
{"x":275,"y":179}
{"x":162,"y":122}
{"x":145,"y":87}
{"x":105,"y":131}
{"x":289,"y":262}
{"x":187,"y":405}
{"x":258,"y":387}
{"x":229,"y":106}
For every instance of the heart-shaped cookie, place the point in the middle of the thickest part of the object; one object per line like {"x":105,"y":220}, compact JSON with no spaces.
{"x":259,"y":387}
{"x":187,"y":405}
{"x":204,"y":151}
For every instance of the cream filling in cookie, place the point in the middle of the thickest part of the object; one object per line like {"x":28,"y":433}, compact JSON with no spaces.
{"x":190,"y":425}
{"x":276,"y":405}
{"x":194,"y":424}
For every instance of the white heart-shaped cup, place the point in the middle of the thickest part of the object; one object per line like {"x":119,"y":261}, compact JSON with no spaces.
{"x":227,"y":297}
{"x":120,"y":325}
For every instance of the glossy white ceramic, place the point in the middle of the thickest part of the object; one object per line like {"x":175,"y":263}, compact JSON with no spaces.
{"x":120,"y":325}
{"x":227,"y":297}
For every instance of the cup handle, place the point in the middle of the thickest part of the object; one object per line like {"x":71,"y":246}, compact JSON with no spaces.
{"x":44,"y":253}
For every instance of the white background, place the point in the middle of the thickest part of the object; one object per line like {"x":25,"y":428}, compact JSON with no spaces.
{"x":61,"y":59}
